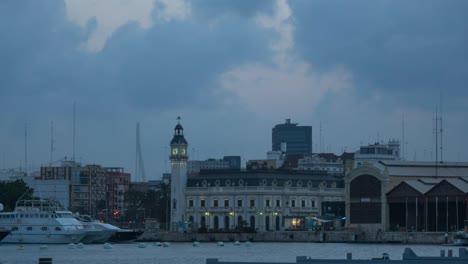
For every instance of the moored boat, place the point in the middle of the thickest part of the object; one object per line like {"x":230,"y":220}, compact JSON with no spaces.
{"x":97,"y":232}
{"x":126,"y":235}
{"x":41,"y":221}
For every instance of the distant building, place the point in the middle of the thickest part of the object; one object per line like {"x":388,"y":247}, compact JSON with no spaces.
{"x":195,"y":166}
{"x":93,"y":189}
{"x":329,"y":163}
{"x":297,"y":139}
{"x":234,"y":162}
{"x":231,"y":163}
{"x":377,"y":152}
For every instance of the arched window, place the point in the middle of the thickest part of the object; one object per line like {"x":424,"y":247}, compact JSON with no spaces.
{"x":216,"y":222}
{"x":203,"y":222}
{"x":239,"y":221}
{"x":365,"y":200}
{"x":252,"y":222}
{"x":226,"y":222}
{"x":267,"y":223}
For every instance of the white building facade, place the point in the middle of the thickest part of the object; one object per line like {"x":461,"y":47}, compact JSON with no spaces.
{"x":262,"y":201}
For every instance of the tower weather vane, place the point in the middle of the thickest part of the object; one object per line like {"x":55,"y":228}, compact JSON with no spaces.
{"x":178,"y":119}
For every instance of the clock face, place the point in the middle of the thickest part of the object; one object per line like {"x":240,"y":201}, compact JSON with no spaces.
{"x":174,"y":151}
{"x":183,"y":151}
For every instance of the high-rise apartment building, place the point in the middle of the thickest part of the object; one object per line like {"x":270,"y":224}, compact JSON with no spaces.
{"x":297,"y":139}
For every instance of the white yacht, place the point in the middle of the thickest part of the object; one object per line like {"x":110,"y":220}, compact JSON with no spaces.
{"x":41,"y":221}
{"x":96,"y":232}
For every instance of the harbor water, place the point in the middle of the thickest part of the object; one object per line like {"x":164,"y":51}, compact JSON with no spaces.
{"x":149,"y":253}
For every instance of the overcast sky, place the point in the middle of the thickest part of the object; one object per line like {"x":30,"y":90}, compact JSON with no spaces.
{"x":231,"y":70}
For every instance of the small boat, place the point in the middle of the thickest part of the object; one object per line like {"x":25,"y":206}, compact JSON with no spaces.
{"x":97,"y":232}
{"x":409,"y":257}
{"x":41,"y":222}
{"x":126,"y":235}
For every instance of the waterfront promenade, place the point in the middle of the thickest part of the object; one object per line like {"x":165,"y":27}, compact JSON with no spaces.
{"x":435,"y":238}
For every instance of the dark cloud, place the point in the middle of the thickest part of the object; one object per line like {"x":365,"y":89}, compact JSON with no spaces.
{"x":140,"y":68}
{"x":405,"y":50}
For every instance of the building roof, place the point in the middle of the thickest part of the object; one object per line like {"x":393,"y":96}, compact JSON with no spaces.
{"x":459,"y":184}
{"x":421,"y":186}
{"x":424,"y":169}
{"x":267,"y":178}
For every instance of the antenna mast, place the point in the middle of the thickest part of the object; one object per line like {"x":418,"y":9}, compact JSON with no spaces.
{"x":403,"y":138}
{"x":74,"y":123}
{"x":436,"y":141}
{"x":51,"y":141}
{"x":441,"y":130}
{"x":25,"y":150}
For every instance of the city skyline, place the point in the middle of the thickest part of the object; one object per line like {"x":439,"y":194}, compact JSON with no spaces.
{"x":232,"y":70}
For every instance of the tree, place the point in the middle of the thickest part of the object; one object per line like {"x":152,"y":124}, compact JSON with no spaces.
{"x":11,"y":192}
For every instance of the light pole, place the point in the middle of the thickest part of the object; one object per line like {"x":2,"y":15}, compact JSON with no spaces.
{"x":232,"y":214}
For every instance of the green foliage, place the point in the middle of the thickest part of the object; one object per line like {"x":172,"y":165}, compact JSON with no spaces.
{"x":10,"y":192}
{"x":149,"y":204}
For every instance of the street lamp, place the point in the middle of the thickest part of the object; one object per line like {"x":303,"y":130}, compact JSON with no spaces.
{"x":234,"y":219}
{"x":207,"y":214}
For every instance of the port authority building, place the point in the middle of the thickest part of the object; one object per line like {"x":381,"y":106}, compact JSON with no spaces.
{"x":397,"y":195}
{"x":377,"y":193}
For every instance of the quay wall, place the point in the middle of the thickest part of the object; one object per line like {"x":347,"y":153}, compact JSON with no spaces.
{"x":305,"y":236}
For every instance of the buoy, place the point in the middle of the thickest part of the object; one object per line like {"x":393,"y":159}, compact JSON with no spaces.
{"x":80,"y":245}
{"x":157,"y":244}
{"x":71,"y":246}
{"x":236,"y":243}
{"x":248,"y":244}
{"x":20,"y":248}
{"x":142,"y":245}
{"x":107,"y":246}
{"x":196,"y":244}
{"x":166,"y":244}
{"x":220,"y":244}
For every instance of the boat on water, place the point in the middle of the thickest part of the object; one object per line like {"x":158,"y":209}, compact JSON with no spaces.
{"x":41,"y":221}
{"x":126,"y":235}
{"x":4,"y":232}
{"x":461,"y":238}
{"x":97,"y":232}
{"x":409,"y":257}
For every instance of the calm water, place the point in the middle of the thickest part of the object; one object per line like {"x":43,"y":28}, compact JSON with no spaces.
{"x":186,"y":253}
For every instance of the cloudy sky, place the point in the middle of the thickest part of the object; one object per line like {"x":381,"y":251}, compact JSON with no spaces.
{"x":231,"y":70}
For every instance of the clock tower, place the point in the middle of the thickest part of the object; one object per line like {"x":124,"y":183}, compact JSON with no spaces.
{"x":178,"y":178}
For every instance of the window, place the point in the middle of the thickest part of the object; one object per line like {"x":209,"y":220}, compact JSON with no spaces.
{"x":313,"y":203}
{"x":215,"y":202}
{"x":239,"y":202}
{"x":15,"y":228}
{"x":293,"y":203}
{"x":190,"y":203}
{"x":58,"y":229}
{"x":267,"y":202}
{"x":226,"y":202}
{"x":278,"y":203}
{"x":44,"y":228}
{"x":202,"y":202}
{"x":303,"y":203}
{"x":29,"y":228}
{"x":252,"y":202}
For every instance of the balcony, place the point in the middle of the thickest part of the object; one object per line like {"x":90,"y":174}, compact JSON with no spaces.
{"x":304,"y":210}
